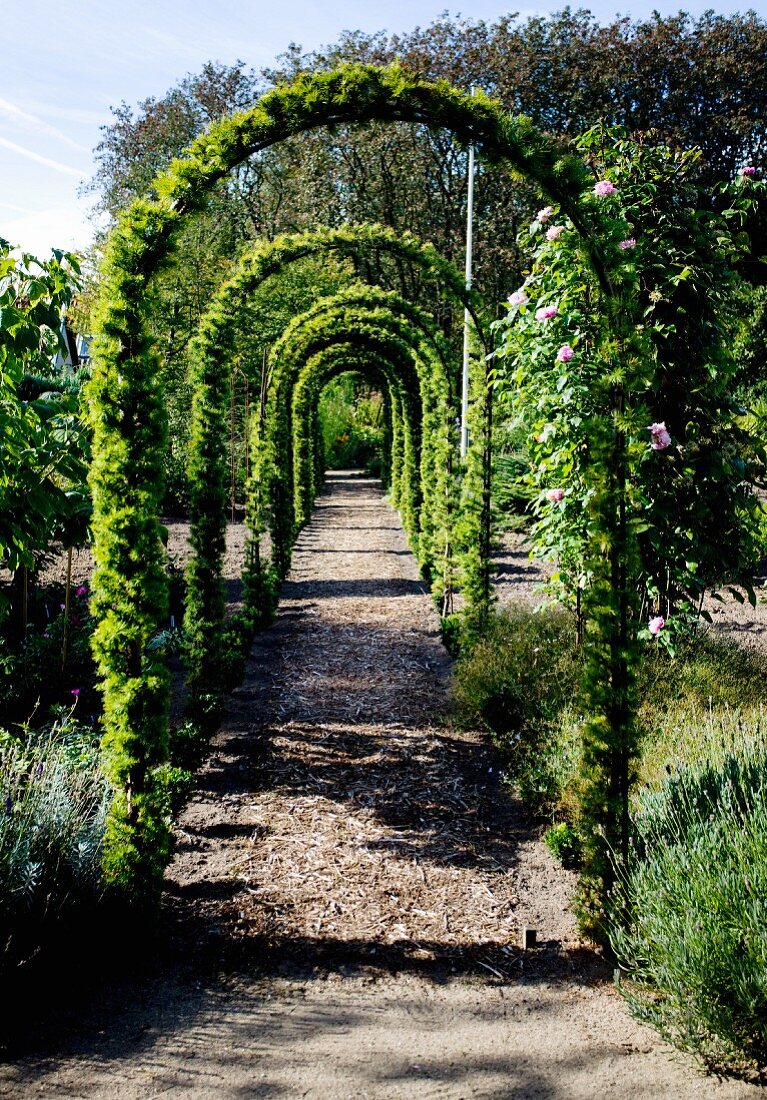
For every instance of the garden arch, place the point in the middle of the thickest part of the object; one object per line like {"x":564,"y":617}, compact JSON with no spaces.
{"x":267,"y":258}
{"x":213,"y":348}
{"x":380,"y":332}
{"x":286,"y":457}
{"x":127,"y":414}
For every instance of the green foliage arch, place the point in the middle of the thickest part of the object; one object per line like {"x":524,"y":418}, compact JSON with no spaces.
{"x":213,"y":350}
{"x":127,"y":414}
{"x":385,"y":325}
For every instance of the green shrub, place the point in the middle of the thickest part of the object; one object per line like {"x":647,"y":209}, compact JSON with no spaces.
{"x":564,"y":844}
{"x":695,"y":949}
{"x":523,"y":671}
{"x":517,"y":681}
{"x":53,"y":804}
{"x":520,"y":682}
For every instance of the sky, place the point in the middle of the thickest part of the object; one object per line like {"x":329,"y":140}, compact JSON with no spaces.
{"x":66,"y":64}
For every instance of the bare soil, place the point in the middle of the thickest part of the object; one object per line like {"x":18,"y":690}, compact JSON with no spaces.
{"x":518,"y":578}
{"x":344,"y":911}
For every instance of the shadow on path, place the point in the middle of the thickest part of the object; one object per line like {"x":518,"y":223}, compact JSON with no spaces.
{"x":340,"y":828}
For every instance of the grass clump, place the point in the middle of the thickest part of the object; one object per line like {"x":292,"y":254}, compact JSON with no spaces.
{"x":518,"y":682}
{"x":694,"y":950}
{"x":53,"y":804}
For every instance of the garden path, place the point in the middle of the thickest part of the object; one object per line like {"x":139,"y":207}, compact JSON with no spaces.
{"x":344,"y":907}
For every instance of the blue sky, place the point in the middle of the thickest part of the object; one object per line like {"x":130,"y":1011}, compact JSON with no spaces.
{"x":66,"y":64}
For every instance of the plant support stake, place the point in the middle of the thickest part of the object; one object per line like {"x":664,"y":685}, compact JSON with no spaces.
{"x":466,"y":314}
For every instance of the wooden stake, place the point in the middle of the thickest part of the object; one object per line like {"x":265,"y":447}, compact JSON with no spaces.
{"x":67,"y":599}
{"x":529,"y":938}
{"x":232,"y":459}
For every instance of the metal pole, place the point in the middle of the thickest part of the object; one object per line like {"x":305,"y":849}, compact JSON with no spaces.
{"x":466,"y":314}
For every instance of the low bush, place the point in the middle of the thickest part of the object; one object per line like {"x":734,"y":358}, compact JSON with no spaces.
{"x":518,"y":682}
{"x":53,"y":803}
{"x":520,"y":674}
{"x":564,"y":844}
{"x":694,"y":948}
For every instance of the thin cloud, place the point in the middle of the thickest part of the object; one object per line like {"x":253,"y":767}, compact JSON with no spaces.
{"x":56,"y":165}
{"x":16,"y":209}
{"x":38,"y":125}
{"x":81,"y":116}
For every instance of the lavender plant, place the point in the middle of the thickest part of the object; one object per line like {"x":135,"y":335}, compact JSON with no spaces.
{"x":54,"y":799}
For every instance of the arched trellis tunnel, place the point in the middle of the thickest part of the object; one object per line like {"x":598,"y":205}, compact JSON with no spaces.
{"x":286,"y":456}
{"x":130,"y":589}
{"x":339,"y":332}
{"x":370,"y":317}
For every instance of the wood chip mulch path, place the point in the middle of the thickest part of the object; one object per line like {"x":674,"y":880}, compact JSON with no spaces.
{"x":340,"y":817}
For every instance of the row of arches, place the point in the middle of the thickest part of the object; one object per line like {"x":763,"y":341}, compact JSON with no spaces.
{"x":362,"y":329}
{"x":373,"y":331}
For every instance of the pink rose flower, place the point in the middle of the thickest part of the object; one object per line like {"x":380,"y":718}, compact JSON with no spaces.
{"x":604,"y":188}
{"x":544,"y":215}
{"x":555,"y":232}
{"x":81,"y":591}
{"x":555,"y":495}
{"x":518,"y":298}
{"x":75,"y":692}
{"x":659,"y":437}
{"x":628,"y":243}
{"x":565,"y":354}
{"x":656,"y":624}
{"x":545,"y":312}
{"x":747,"y":170}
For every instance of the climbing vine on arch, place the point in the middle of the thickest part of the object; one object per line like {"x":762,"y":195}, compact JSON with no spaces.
{"x":657,"y":430}
{"x":226,"y":330}
{"x":127,"y":414}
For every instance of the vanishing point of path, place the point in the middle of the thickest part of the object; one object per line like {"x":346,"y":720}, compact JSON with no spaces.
{"x":344,"y":906}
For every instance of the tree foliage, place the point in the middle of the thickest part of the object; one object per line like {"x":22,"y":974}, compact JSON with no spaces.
{"x":42,"y":440}
{"x":693,"y":82}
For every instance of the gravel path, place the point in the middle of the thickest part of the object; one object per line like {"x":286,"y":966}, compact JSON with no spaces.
{"x":344,"y":909}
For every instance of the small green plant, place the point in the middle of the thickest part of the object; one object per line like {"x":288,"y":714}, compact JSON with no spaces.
{"x":178,"y":784}
{"x":564,"y":844}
